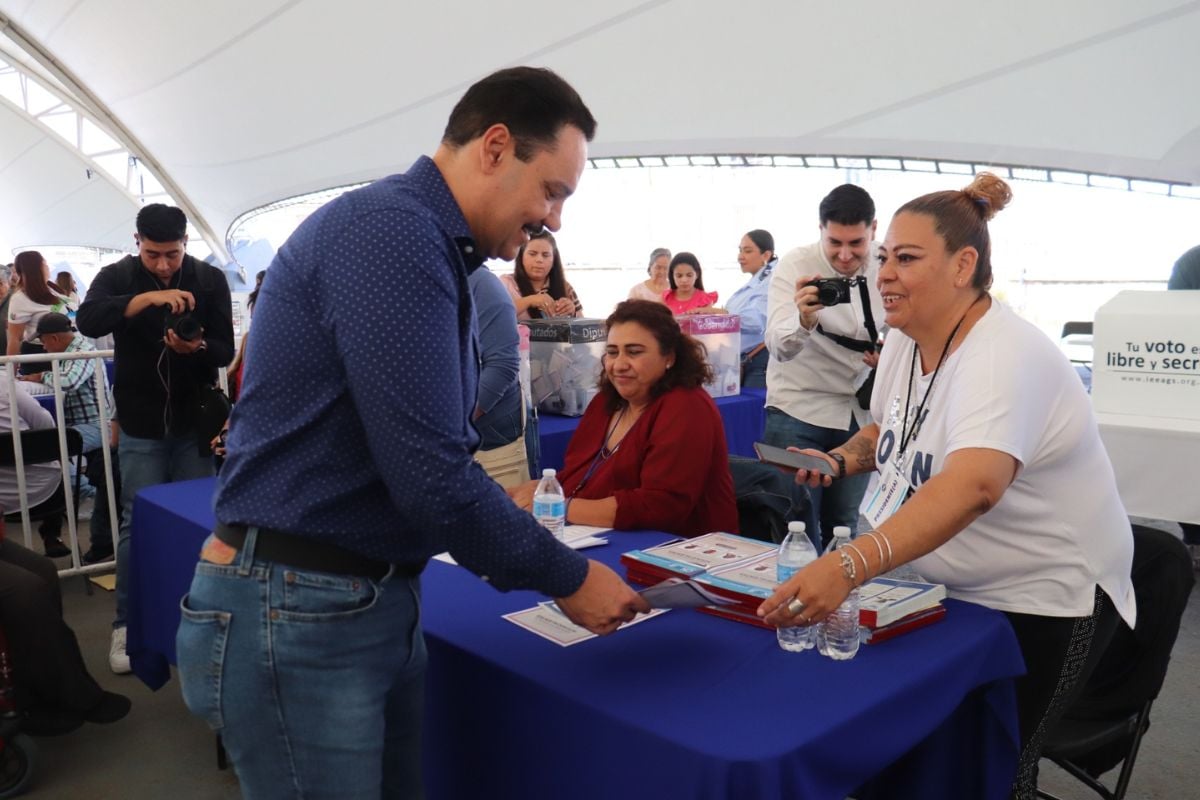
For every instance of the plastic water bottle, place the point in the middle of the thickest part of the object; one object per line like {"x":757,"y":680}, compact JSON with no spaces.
{"x":795,"y":553}
{"x":838,"y":634}
{"x":549,"y":505}
{"x":841,"y":535}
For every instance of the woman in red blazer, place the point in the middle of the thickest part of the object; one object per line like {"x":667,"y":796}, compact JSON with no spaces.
{"x":650,"y":450}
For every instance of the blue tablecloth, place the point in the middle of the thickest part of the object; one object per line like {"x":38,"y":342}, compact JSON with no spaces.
{"x":682,"y":706}
{"x":744,"y":416}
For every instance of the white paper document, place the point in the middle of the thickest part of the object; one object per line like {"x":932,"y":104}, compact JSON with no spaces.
{"x":576,"y":537}
{"x":681,"y":593}
{"x":548,"y":621}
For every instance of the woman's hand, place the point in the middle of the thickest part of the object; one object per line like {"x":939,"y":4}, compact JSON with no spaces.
{"x":564,"y":307}
{"x":821,"y":587}
{"x":522,"y":495}
{"x":539,"y":302}
{"x":811,"y":477}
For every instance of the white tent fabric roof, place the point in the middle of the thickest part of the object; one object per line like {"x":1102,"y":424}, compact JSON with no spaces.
{"x":245,"y":102}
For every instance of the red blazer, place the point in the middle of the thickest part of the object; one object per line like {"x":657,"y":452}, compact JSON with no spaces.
{"x":670,"y":473}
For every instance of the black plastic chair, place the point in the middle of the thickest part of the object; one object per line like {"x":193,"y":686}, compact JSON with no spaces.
{"x":1104,"y":726}
{"x":764,"y":499}
{"x":41,"y":447}
{"x":1076,"y":327}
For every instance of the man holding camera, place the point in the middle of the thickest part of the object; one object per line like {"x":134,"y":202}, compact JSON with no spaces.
{"x":821,"y":333}
{"x":172,"y":324}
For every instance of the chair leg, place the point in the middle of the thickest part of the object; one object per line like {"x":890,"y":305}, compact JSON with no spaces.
{"x":1143,"y":722}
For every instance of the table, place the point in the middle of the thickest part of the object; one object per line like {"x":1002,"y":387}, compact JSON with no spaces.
{"x":1154,"y":461}
{"x":744,"y":415}
{"x":682,"y":706}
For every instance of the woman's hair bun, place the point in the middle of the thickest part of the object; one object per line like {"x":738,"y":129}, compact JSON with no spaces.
{"x":990,"y":193}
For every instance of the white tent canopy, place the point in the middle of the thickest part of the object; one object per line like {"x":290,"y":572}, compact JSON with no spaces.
{"x":244,"y":102}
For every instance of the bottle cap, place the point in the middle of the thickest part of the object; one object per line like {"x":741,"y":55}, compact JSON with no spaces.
{"x":797,"y":527}
{"x":549,"y":472}
{"x":841,"y":532}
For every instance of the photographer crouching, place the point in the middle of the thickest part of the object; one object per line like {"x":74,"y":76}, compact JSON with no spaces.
{"x":821,"y":310}
{"x":172,"y":324}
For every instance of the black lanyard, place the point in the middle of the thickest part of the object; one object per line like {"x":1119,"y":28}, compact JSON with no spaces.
{"x":603,"y":454}
{"x":908,"y":434}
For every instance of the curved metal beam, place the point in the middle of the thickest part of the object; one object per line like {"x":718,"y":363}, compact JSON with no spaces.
{"x":95,"y":107}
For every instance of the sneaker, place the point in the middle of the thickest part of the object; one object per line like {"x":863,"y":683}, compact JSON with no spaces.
{"x":95,"y":555}
{"x":118,"y":659}
{"x":54,"y":547}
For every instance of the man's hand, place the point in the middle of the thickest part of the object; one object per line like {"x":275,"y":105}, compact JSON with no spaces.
{"x":807,"y":302}
{"x":35,"y":377}
{"x":522,"y":494}
{"x":176,"y":300}
{"x":603,"y":602}
{"x":183,"y":346}
{"x":871,"y":359}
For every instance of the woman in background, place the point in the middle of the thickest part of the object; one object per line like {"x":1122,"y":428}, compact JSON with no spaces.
{"x":756,"y":257}
{"x":650,"y":450}
{"x":654,"y":287}
{"x":35,"y":298}
{"x":538,"y":286}
{"x":65,"y":282}
{"x":687,"y":295}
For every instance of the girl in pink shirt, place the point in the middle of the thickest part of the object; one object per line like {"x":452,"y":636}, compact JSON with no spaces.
{"x":687,"y":295}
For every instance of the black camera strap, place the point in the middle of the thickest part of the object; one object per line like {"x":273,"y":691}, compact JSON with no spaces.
{"x":858,"y":345}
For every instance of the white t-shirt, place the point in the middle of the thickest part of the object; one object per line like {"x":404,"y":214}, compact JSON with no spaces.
{"x":24,"y":311}
{"x":1060,"y":528}
{"x":40,"y":479}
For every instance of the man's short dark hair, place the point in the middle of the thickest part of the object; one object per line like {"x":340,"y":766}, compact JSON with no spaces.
{"x":847,"y":205}
{"x":533,"y":103}
{"x":161,"y":223}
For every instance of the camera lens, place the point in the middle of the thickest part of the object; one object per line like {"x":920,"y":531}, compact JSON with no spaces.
{"x":186,"y":327}
{"x":827,"y":293}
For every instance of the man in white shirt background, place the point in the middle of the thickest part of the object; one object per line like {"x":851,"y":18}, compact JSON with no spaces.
{"x":821,"y":353}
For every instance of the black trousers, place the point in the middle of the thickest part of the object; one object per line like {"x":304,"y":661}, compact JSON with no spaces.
{"x":47,"y":665}
{"x":1060,"y":653}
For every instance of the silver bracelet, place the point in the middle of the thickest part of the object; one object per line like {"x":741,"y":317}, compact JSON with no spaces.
{"x":848,"y":569}
{"x":888,"y":542}
{"x":866,"y":566}
{"x":878,"y":546}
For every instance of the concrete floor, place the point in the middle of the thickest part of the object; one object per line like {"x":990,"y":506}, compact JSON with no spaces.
{"x":161,"y":751}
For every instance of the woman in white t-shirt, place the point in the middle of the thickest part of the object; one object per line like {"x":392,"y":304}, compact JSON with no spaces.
{"x":993,"y":479}
{"x":35,"y":298}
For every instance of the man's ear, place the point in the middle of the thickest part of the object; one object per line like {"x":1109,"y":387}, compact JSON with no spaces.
{"x":495,"y":146}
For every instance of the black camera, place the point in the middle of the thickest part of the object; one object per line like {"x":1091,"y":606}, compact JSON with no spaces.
{"x":186,"y":326}
{"x":832,"y":291}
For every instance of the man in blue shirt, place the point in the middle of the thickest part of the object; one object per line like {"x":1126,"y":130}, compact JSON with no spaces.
{"x":349,"y":459}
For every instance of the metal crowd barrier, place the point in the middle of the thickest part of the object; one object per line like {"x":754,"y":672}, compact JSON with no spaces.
{"x":101,"y":378}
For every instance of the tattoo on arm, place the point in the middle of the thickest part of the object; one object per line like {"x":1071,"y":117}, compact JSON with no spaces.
{"x":862,"y":448}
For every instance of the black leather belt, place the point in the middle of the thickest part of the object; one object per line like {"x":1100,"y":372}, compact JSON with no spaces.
{"x":304,"y":552}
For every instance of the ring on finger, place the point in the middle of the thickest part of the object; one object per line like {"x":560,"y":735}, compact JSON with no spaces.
{"x":795,"y":606}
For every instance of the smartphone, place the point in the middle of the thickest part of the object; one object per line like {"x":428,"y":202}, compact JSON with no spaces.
{"x":769,"y":454}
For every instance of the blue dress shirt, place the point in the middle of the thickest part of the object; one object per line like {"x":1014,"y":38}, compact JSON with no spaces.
{"x":353,"y":426}
{"x":750,"y":303}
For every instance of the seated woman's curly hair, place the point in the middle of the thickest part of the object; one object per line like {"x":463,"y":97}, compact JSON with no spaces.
{"x":690,"y":369}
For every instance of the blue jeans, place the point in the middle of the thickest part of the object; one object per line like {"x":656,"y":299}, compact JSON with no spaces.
{"x":149,"y":462}
{"x":314,"y":681}
{"x":754,"y":370}
{"x":837,"y":505}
